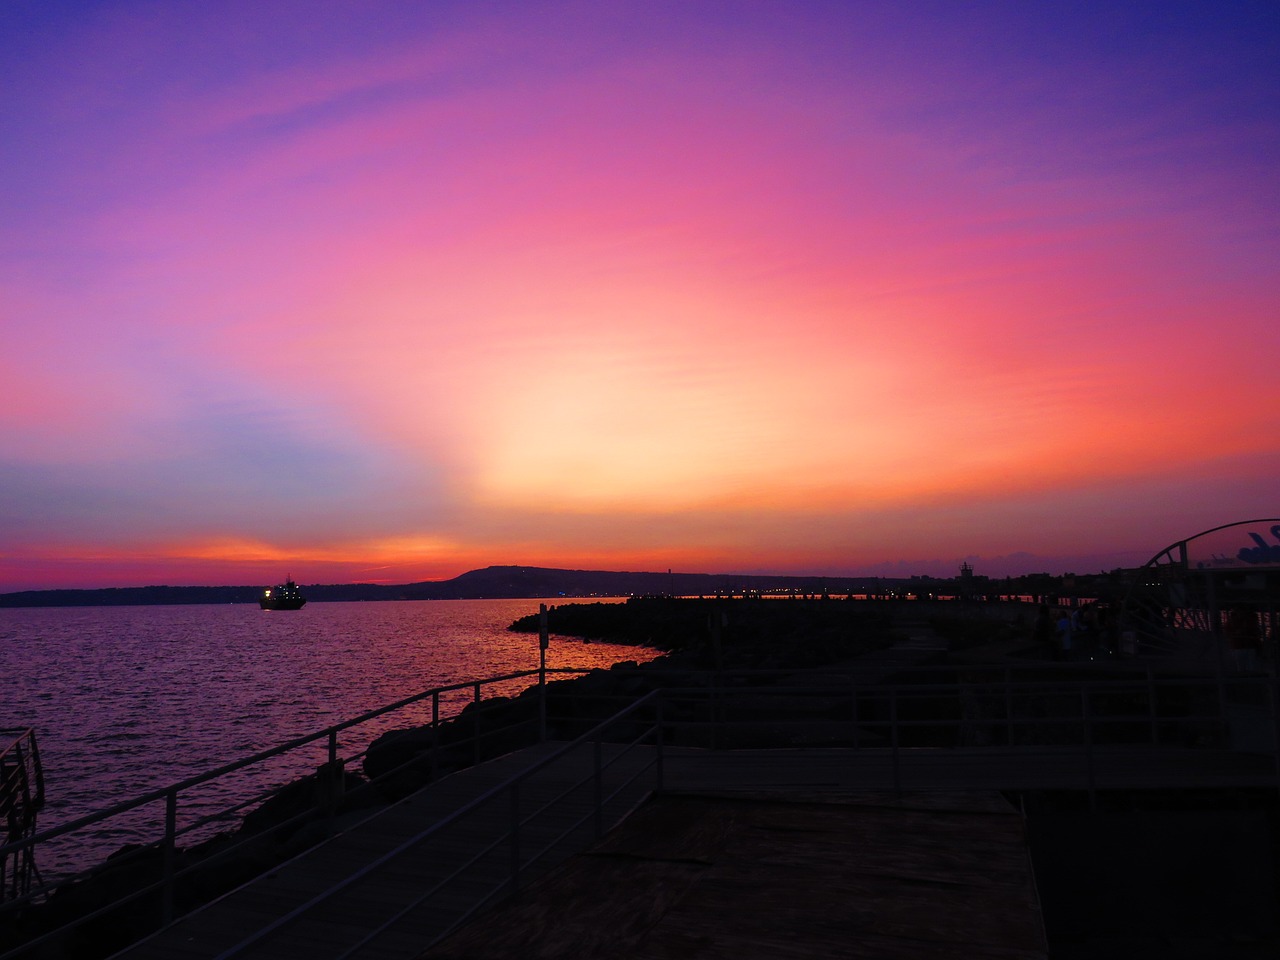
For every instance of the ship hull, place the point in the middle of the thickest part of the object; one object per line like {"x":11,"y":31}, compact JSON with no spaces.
{"x":283,"y":596}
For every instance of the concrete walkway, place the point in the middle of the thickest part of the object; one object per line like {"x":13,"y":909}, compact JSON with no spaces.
{"x":288,"y":913}
{"x":388,"y":888}
{"x":336,"y":899}
{"x":757,"y":877}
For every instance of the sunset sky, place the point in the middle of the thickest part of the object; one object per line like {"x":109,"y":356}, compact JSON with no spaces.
{"x":387,"y":291}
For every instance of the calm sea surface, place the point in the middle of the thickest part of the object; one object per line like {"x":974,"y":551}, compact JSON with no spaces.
{"x":129,"y":699}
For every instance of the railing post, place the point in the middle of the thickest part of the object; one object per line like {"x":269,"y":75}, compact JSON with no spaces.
{"x":542,"y":699}
{"x":1088,"y":744}
{"x":715,"y":710}
{"x":599,"y":787}
{"x":170,"y":841}
{"x":544,"y":638}
{"x":1274,"y":687}
{"x":435,"y":734}
{"x":515,"y":837}
{"x":853,"y":708}
{"x":476,"y":711}
{"x":1151,"y":707}
{"x":661,"y":750}
{"x":893,"y":735}
{"x":13,"y":780}
{"x":1008,"y":706}
{"x":333,"y":788}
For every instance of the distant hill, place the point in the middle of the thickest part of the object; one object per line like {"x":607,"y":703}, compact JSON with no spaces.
{"x":521,"y":583}
{"x":524,"y":582}
{"x":503,"y":582}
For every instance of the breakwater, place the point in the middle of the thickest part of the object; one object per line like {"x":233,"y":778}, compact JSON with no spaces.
{"x":707,"y":633}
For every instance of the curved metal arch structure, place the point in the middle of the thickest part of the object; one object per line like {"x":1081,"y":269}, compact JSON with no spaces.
{"x":1211,"y":599}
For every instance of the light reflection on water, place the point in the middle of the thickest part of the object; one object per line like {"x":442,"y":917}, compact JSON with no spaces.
{"x":125,"y":700}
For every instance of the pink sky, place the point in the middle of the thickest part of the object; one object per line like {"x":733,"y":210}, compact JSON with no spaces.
{"x":391,"y":291}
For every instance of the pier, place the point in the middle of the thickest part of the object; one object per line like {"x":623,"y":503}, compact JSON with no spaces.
{"x":621,"y":847}
{"x":709,"y":819}
{"x":745,"y":811}
{"x":357,"y":895}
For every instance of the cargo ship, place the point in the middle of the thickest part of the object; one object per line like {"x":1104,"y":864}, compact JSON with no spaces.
{"x":283,"y":596}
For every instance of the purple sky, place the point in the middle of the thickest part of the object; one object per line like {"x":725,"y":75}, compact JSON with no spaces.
{"x":388,"y":291}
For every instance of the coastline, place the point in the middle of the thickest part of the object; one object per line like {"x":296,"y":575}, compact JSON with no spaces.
{"x":531,"y":583}
{"x":414,"y":758}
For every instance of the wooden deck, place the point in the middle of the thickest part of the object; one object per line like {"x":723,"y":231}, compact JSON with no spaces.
{"x":295,"y":911}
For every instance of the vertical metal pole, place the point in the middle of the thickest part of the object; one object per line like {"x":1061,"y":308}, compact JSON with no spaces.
{"x":515,"y":836}
{"x":475,"y":700}
{"x":1274,"y":687}
{"x":1088,"y":745}
{"x":1219,"y":643}
{"x":13,"y":780}
{"x":337,"y":784}
{"x":599,"y":788}
{"x":5,"y":892}
{"x":715,"y":711}
{"x":661,"y":751}
{"x":435,"y":732}
{"x":544,"y":640}
{"x":853,"y":708}
{"x":717,"y":707}
{"x":893,"y":733}
{"x":1008,"y":706}
{"x":1151,"y":707}
{"x":170,"y":840}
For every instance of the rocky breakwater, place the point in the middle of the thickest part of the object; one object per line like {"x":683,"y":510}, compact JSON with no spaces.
{"x":750,"y":643}
{"x":761,"y":642}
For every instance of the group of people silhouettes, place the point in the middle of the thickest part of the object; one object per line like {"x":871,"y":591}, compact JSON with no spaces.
{"x":1079,"y":633}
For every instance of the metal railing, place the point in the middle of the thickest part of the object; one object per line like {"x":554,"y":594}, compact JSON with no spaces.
{"x":1024,"y":711}
{"x":21,"y":797}
{"x":1000,"y":716}
{"x":897,"y":721}
{"x":530,"y":835}
{"x":1036,"y":709}
{"x":30,"y":918}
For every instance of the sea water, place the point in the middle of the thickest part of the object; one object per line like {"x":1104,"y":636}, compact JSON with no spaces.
{"x":126,"y":700}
